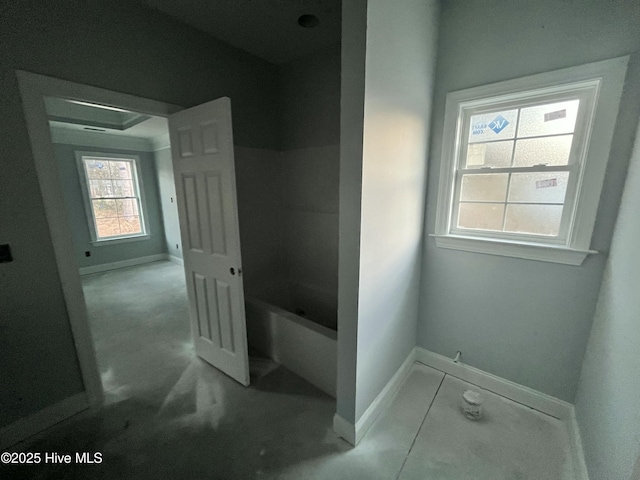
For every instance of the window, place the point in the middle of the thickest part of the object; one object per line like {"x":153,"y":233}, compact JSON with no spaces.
{"x":113,"y":198}
{"x":523,"y":163}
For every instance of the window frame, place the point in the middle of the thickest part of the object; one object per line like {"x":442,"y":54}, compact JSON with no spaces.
{"x":598,"y":86}
{"x":86,"y":196}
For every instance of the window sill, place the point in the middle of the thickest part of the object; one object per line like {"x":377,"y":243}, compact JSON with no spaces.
{"x":114,"y":241}
{"x":529,"y":251}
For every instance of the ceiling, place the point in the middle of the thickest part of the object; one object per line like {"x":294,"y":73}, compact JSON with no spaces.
{"x":266,"y":28}
{"x":82,"y":116}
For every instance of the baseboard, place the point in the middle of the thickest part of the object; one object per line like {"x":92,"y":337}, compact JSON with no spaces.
{"x":123,"y":263}
{"x":344,"y":429}
{"x":176,"y":260}
{"x":577,"y":450}
{"x":353,"y":434}
{"x":28,"y":426}
{"x":518,"y":393}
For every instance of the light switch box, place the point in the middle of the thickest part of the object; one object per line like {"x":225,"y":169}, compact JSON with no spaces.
{"x":5,"y":254}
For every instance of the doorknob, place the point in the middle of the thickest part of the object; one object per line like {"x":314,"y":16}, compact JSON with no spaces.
{"x":232,"y":270}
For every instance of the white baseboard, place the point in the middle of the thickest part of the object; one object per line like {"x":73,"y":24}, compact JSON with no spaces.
{"x":123,"y":263}
{"x":344,"y":429}
{"x":577,"y":451}
{"x":544,"y":403}
{"x":353,"y":434}
{"x":176,"y":260}
{"x":26,"y":427}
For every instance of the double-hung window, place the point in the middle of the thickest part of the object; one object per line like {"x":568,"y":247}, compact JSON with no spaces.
{"x":523,"y":163}
{"x":112,"y":195}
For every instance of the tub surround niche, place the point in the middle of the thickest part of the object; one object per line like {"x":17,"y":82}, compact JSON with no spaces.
{"x":288,"y":214}
{"x":288,"y":199}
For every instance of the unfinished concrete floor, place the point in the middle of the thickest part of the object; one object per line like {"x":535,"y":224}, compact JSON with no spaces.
{"x":170,"y":415}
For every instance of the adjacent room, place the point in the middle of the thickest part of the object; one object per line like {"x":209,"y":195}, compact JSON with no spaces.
{"x":319,"y":239}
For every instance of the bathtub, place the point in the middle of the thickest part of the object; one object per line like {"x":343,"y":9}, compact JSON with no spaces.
{"x":306,"y":348}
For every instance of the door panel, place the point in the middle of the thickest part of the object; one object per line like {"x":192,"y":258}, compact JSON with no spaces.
{"x":204,"y":170}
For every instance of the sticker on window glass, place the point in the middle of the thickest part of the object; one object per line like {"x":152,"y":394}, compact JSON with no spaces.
{"x":555,"y":115}
{"x":489,"y":127}
{"x":100,"y":165}
{"x":550,"y":182}
{"x":498,"y":124}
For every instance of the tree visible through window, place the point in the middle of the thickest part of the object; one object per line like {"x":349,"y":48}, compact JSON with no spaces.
{"x":114,"y":196}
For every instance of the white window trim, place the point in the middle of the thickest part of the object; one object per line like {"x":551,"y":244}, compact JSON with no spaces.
{"x":100,"y":242}
{"x":609,"y":77}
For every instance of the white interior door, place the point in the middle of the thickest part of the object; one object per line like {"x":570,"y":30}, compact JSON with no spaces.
{"x":204,"y":171}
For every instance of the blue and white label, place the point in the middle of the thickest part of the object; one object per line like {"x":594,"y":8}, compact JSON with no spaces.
{"x":498,"y":124}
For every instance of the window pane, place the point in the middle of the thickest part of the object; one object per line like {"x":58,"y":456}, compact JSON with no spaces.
{"x":120,"y":169}
{"x":493,"y":126}
{"x":107,"y":227}
{"x":101,"y":188}
{"x":481,"y":216}
{"x":548,"y":150}
{"x":123,"y":188}
{"x":493,"y":154}
{"x":127,"y":207}
{"x":130,"y":224}
{"x":96,"y":168}
{"x":538,"y":187}
{"x":489,"y":187}
{"x":535,"y":219}
{"x":104,"y":208}
{"x":550,"y":119}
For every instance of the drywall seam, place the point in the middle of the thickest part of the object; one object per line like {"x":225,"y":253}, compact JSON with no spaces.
{"x":518,"y":393}
{"x":27,"y":426}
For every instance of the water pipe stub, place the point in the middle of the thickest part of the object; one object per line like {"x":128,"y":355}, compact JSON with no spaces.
{"x":472,"y":405}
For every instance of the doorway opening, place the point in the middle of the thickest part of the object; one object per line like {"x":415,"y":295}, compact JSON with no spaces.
{"x":198,"y":187}
{"x":116,"y":177}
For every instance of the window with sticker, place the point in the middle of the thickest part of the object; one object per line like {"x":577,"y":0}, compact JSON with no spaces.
{"x":521,"y":168}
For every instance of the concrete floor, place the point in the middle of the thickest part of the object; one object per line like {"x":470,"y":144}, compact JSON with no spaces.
{"x":170,"y":415}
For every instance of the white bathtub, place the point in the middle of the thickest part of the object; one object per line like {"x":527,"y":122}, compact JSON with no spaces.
{"x":302,"y":346}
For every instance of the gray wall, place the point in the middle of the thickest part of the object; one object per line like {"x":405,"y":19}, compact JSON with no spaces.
{"x":354,"y":45}
{"x":121,"y":46}
{"x":309,"y":180}
{"x":384,"y":155}
{"x":608,"y":402}
{"x":258,"y":180}
{"x":523,"y":320}
{"x":167,"y":192}
{"x":310,"y":93}
{"x":400,"y":64}
{"x":70,"y":183}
